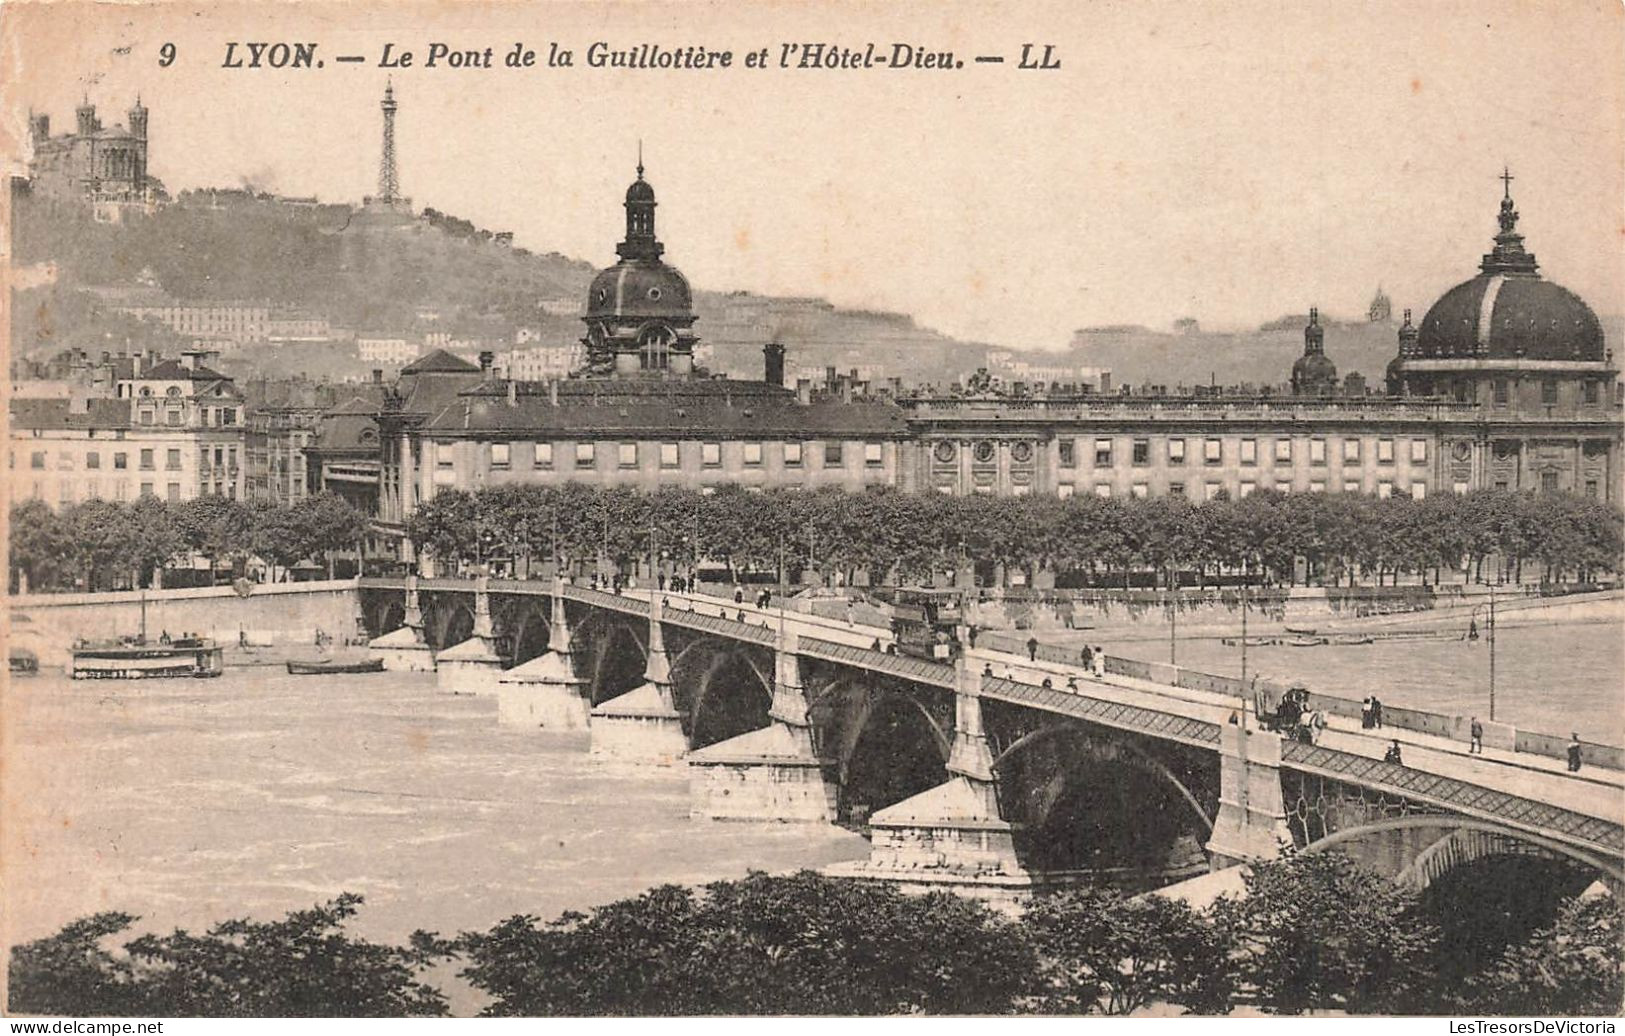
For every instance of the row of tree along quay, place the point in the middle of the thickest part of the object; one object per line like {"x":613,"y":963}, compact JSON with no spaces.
{"x":1313,"y":933}
{"x":887,"y":535}
{"x":104,"y":545}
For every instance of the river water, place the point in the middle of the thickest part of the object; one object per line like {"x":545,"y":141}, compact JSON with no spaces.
{"x":191,"y":801}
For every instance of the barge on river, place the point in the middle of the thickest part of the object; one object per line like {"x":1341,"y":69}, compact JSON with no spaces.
{"x":135,"y":658}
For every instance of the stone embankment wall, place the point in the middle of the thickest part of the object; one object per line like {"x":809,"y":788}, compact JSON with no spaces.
{"x":271,"y":614}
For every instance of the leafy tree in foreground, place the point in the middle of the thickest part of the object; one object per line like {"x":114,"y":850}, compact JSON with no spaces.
{"x":301,"y":966}
{"x":1103,"y":950}
{"x":803,"y":944}
{"x":1318,"y":932}
{"x":1575,"y":966}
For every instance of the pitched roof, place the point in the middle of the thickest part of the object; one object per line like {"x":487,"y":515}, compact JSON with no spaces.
{"x":439,"y":362}
{"x":720,"y":408}
{"x":55,"y":414}
{"x":174,"y":370}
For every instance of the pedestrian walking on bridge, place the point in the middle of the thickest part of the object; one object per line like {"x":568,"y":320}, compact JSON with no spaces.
{"x":1392,"y":755}
{"x":1574,"y":753}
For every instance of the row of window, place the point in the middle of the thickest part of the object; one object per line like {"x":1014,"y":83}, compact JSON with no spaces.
{"x":630,"y":454}
{"x":1590,"y":391}
{"x":121,"y":460}
{"x":1210,"y":490}
{"x":1213,"y":451}
{"x":93,"y":491}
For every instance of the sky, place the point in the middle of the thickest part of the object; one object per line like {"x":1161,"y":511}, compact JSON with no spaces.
{"x":1229,"y":162}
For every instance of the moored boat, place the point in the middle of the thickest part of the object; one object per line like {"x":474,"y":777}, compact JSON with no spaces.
{"x":136,"y":659}
{"x":323,"y":667}
{"x":23,"y":661}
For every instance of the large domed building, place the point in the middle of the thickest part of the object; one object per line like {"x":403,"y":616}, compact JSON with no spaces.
{"x":1528,"y":357}
{"x":1506,"y":333}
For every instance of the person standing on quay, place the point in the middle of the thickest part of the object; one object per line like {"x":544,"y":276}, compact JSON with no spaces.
{"x":1475,"y":745}
{"x":1100,"y":662}
{"x":1088,"y":658}
{"x":1376,"y":712}
{"x":1032,"y":649}
{"x":1365,"y":713}
{"x":1574,"y":753}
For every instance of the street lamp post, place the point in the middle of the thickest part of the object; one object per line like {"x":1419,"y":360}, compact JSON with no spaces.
{"x":1244,"y":624}
{"x":1173,"y":620}
{"x":1491,"y":632}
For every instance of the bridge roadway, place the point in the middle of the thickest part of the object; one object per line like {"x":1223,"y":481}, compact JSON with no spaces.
{"x":1520,"y":789}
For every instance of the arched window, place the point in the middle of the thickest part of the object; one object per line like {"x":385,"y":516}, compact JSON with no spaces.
{"x":654,"y":346}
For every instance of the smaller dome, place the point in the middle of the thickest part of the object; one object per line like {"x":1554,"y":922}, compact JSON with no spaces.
{"x":1313,"y":368}
{"x":640,"y":191}
{"x":641,"y":289}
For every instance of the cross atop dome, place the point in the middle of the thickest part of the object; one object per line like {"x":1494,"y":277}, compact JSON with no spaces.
{"x":1508,"y":256}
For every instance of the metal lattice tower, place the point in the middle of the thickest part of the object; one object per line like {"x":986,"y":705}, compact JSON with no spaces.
{"x":389,"y":184}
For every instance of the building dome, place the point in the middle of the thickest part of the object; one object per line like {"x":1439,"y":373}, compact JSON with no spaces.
{"x":1508,"y":312}
{"x":640,"y":289}
{"x":1315,"y":369}
{"x":641,"y":190}
{"x":1511,"y":316}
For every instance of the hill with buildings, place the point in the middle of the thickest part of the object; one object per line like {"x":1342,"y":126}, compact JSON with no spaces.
{"x":338,"y":273}
{"x":430,"y":279}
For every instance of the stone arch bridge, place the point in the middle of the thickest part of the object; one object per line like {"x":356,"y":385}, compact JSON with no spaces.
{"x":997,"y":774}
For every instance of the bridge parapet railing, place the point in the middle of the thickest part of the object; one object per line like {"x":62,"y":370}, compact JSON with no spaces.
{"x":605,"y":599}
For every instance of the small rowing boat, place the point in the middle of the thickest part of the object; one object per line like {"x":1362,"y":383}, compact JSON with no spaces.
{"x":331,"y":666}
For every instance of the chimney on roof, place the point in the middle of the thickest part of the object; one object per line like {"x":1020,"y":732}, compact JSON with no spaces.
{"x":553,"y":391}
{"x":377,"y":375}
{"x":513,"y":392}
{"x":773,"y":364}
{"x":487,"y":358}
{"x":844,"y":383}
{"x":803,"y":391}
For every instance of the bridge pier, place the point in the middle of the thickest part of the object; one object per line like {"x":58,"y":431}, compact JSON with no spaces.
{"x":773,"y":773}
{"x":950,"y":837}
{"x":545,"y":691}
{"x":404,"y":650}
{"x":643,"y":724}
{"x":472,"y":667}
{"x":1251,"y":824}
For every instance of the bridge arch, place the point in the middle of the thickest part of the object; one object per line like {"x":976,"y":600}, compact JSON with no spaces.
{"x":885,"y":743}
{"x":525,"y":623}
{"x":449,"y":619}
{"x":1450,"y":850}
{"x":1098,"y":801}
{"x":1120,"y":750}
{"x":730,"y":696}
